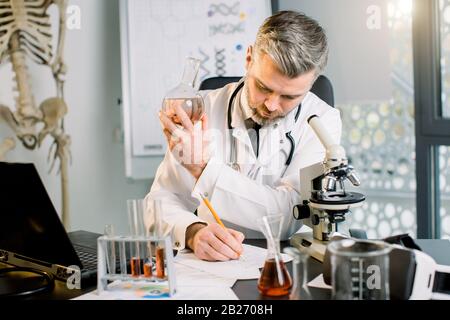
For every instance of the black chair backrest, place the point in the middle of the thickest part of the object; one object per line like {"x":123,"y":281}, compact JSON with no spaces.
{"x":324,"y":89}
{"x":217,"y":82}
{"x":321,"y":88}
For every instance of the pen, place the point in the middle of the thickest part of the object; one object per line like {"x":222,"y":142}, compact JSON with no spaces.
{"x":214,"y":213}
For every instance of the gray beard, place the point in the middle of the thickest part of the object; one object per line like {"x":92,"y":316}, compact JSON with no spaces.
{"x":262,"y":121}
{"x":256,"y":117}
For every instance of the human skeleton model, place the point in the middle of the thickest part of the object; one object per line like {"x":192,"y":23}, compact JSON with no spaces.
{"x":25,"y":32}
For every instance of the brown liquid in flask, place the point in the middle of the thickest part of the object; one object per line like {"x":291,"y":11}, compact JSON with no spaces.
{"x":269,"y":284}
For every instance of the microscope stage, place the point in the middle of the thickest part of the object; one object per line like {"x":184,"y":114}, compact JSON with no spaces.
{"x":306,"y":243}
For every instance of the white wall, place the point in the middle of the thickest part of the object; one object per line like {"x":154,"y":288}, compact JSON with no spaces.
{"x":97,"y":183}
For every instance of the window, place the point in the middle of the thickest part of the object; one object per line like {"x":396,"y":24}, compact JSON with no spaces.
{"x":379,"y":139}
{"x":432,"y":90}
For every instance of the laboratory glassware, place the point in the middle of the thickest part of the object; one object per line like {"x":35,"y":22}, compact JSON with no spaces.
{"x":275,"y":279}
{"x":154,"y":222}
{"x":184,"y":97}
{"x":145,"y":254}
{"x":163,"y":286}
{"x":139,"y":256}
{"x":360,"y":269}
{"x":300,"y":289}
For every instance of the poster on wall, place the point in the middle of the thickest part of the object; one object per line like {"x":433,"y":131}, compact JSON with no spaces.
{"x":156,"y":38}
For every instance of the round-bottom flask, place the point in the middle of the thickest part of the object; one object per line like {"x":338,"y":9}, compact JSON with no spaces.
{"x":184,"y":98}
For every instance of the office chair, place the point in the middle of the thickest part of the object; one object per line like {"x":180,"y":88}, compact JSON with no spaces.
{"x":321,"y":88}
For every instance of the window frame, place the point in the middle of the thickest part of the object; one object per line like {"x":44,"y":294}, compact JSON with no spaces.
{"x":432,"y":130}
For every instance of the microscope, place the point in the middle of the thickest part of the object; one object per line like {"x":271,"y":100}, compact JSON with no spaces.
{"x":324,"y":199}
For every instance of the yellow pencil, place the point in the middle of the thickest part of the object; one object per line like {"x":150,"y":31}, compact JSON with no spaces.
{"x":215,"y":215}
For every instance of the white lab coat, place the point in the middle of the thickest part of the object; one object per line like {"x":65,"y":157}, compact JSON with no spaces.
{"x":264,"y":186}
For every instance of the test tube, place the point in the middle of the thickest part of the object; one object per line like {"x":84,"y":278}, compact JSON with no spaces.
{"x":160,"y":274}
{"x":123,"y":259}
{"x":148,"y":263}
{"x":110,"y":249}
{"x":154,"y":216}
{"x":136,"y":223}
{"x":155,"y":213}
{"x":135,"y":264}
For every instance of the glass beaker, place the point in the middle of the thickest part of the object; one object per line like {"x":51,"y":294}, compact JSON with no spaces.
{"x":300,"y":289}
{"x":184,"y":96}
{"x":275,"y":279}
{"x":360,"y":269}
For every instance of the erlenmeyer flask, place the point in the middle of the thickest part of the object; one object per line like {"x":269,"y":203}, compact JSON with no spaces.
{"x":184,"y":96}
{"x":275,"y":279}
{"x":300,"y":290}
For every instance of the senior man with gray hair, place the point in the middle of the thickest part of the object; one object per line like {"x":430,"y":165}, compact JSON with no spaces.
{"x":258,"y":141}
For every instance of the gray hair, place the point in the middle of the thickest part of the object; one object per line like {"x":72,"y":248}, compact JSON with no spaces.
{"x":296,"y":43}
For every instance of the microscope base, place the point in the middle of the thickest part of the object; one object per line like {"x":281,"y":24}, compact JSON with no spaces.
{"x":305,"y":242}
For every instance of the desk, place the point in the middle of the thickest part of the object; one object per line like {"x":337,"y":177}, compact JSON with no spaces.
{"x":247,"y":289}
{"x":439,"y":250}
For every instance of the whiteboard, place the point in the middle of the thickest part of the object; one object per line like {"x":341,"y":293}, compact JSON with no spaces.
{"x":156,"y":38}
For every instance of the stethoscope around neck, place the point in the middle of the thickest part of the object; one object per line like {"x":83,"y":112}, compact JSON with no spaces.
{"x":233,"y":152}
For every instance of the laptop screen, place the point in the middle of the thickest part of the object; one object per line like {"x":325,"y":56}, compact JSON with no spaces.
{"x":29,"y":224}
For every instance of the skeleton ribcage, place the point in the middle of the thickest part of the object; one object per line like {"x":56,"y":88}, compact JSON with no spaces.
{"x":30,"y":19}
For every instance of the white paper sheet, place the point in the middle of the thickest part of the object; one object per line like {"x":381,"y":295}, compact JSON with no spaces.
{"x":187,"y":276}
{"x":247,"y":267}
{"x":191,"y":283}
{"x":141,"y":291}
{"x":318,"y":282}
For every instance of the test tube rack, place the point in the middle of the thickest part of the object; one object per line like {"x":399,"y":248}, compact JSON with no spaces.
{"x":135,"y":258}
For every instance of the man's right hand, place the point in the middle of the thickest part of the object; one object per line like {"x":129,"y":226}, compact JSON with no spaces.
{"x":214,"y":243}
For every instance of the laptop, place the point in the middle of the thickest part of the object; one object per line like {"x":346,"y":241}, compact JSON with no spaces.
{"x":31,"y":233}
